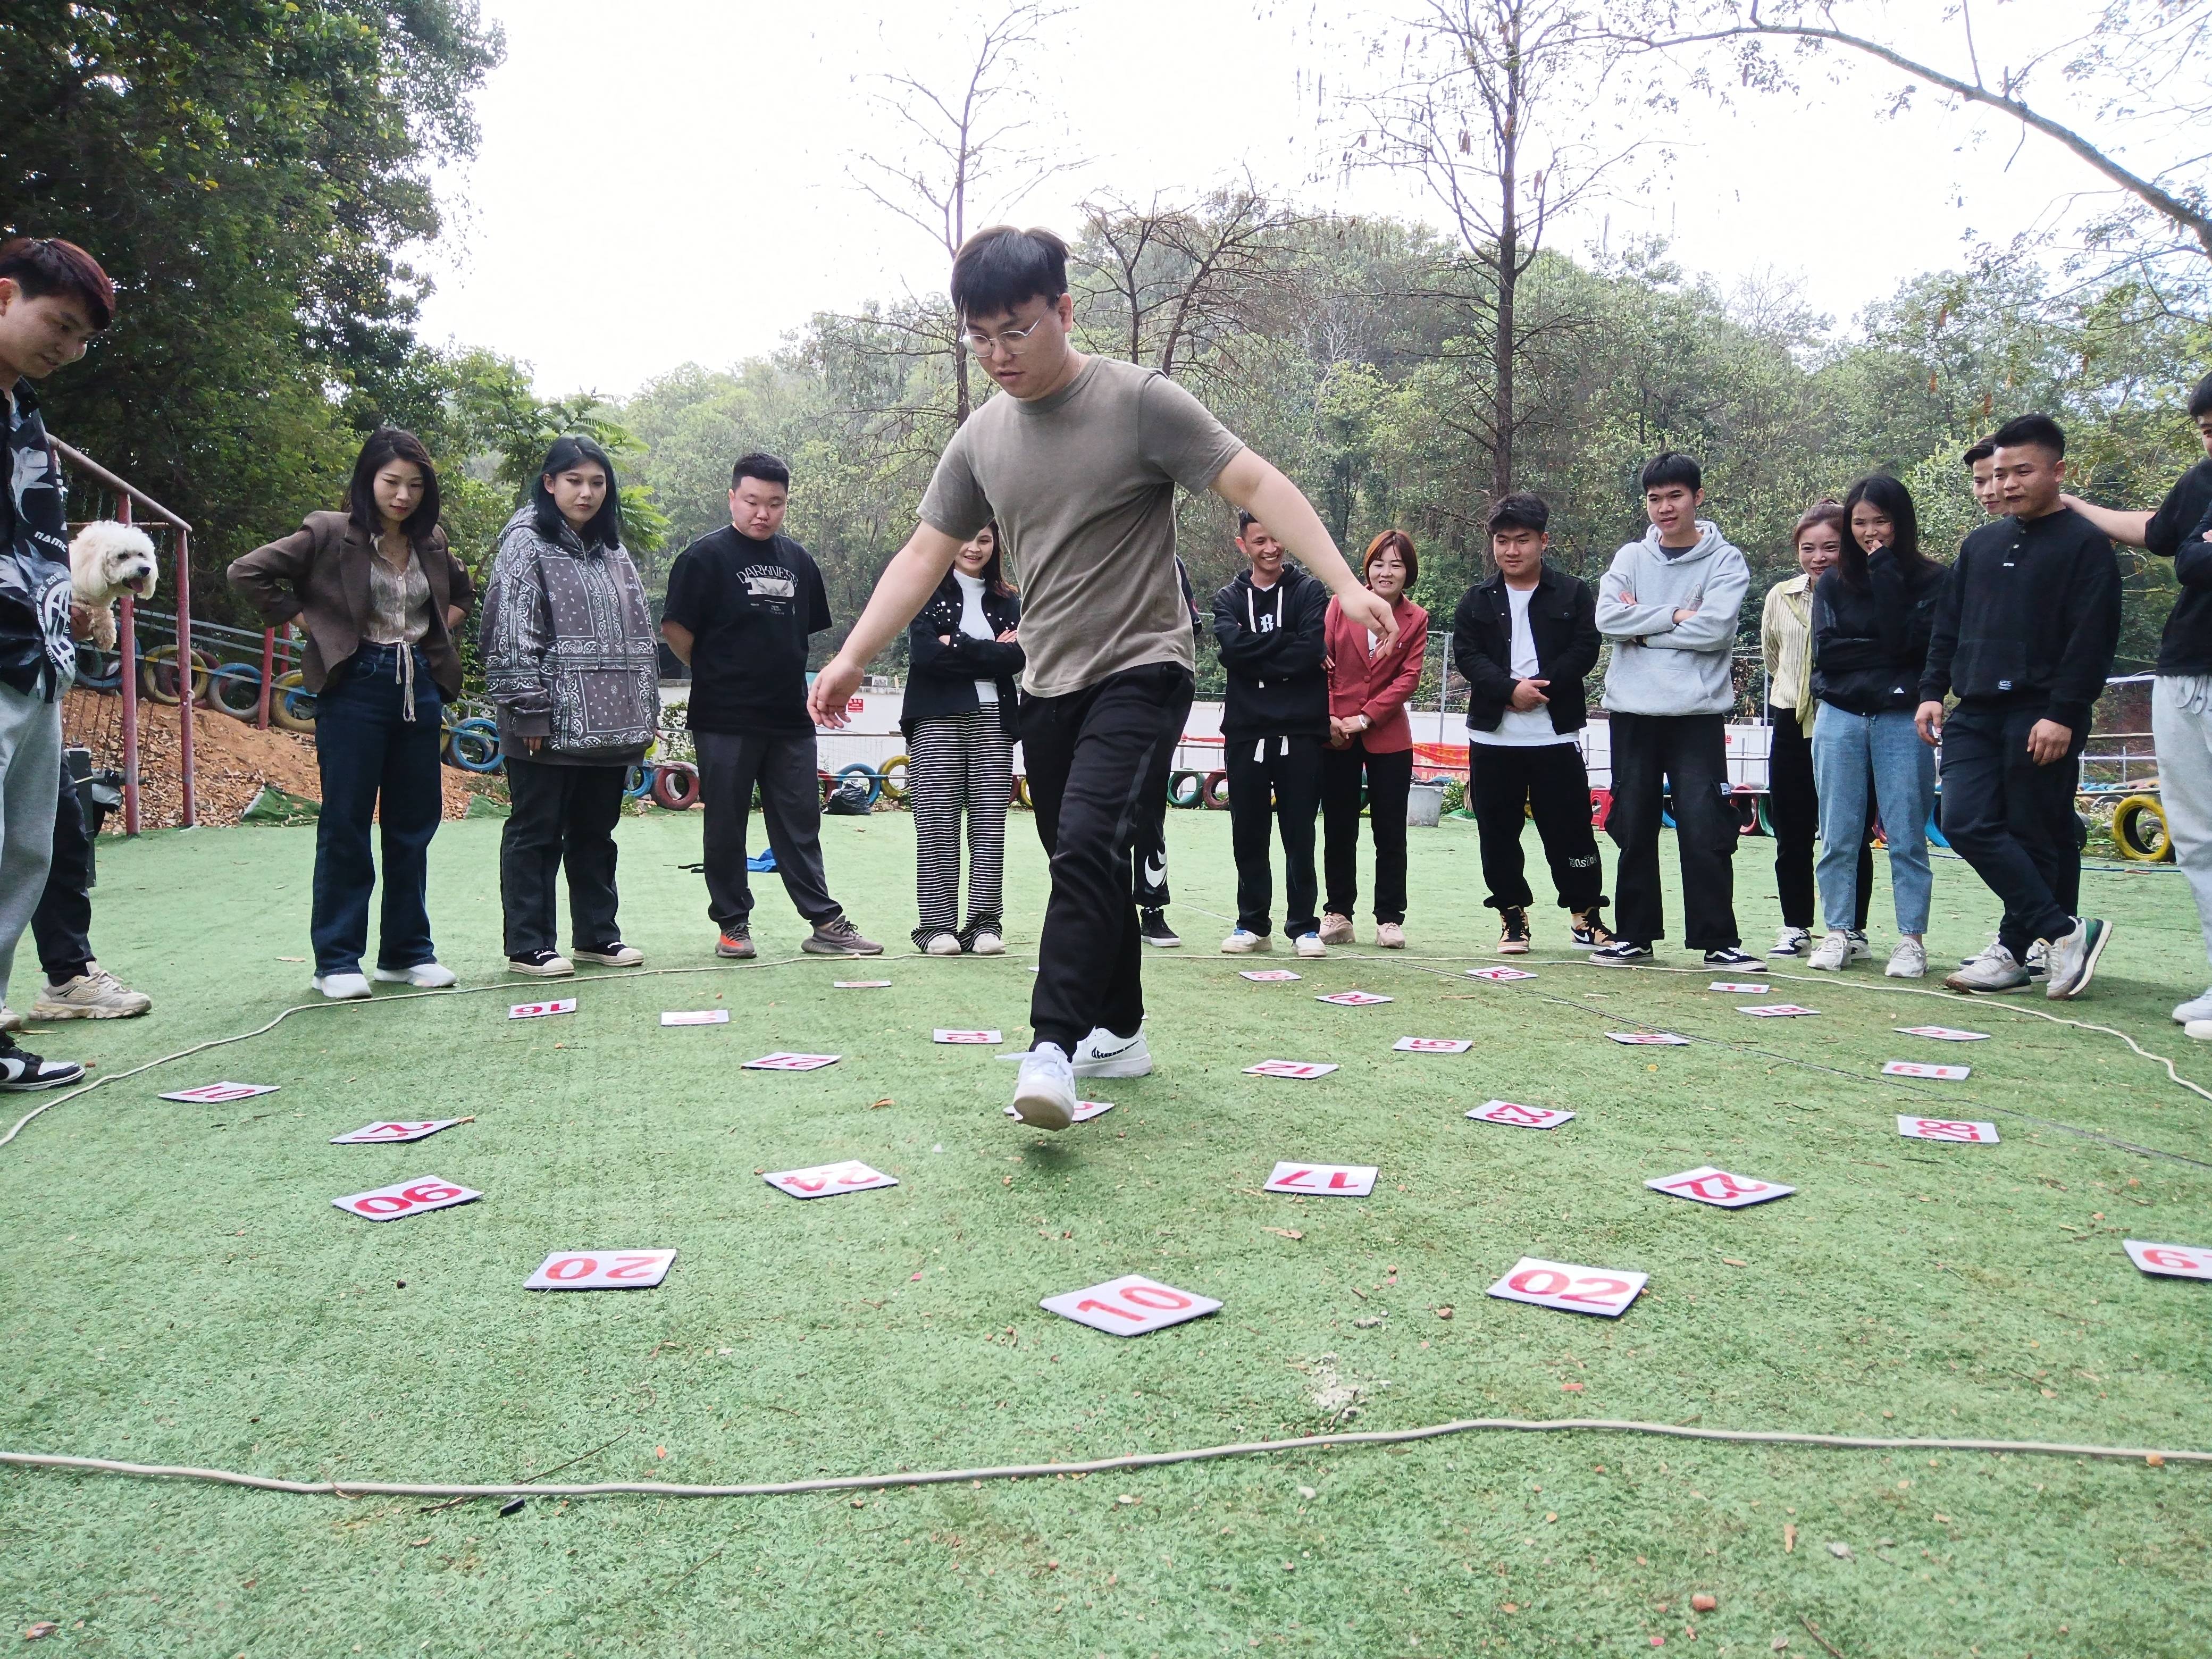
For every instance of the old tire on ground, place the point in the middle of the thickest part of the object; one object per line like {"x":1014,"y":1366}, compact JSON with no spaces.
{"x":676,"y":785}
{"x":2139,"y":831}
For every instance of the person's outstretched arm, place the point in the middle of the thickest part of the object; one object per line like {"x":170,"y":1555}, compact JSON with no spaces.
{"x":904,"y":587}
{"x":1255,"y":485}
{"x":2127,"y":529}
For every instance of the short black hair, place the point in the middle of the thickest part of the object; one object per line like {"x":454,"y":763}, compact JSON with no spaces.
{"x":769,"y":468}
{"x":1672,"y":467}
{"x":2037,"y":430}
{"x":1244,"y":522}
{"x":42,"y":265}
{"x":999,"y":267}
{"x":1520,"y":511}
{"x":2200,"y":400}
{"x":1977,"y":454}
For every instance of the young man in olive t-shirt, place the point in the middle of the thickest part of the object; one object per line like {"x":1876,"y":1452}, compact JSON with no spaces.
{"x":1079,"y":463}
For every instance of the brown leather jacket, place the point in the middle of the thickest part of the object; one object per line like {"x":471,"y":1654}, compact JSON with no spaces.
{"x":319,"y":573}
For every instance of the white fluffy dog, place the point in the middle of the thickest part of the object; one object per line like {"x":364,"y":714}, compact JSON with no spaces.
{"x":107,"y":560}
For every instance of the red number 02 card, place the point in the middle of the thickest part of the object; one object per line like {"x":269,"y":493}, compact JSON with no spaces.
{"x":1707,"y":1185}
{"x":405,"y":1197}
{"x":1130,"y":1305}
{"x":1353,"y":999}
{"x":1570,"y":1289}
{"x":1413,"y":1045}
{"x":2177,"y":1260}
{"x":600,"y":1270}
{"x":1499,"y":975}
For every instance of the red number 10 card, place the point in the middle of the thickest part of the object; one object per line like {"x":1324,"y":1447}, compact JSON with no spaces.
{"x":1130,"y":1305}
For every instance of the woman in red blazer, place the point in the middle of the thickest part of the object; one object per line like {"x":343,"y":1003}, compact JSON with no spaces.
{"x":1370,"y":736}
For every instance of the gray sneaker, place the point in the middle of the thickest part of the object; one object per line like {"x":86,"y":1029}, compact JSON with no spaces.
{"x":838,"y":938}
{"x":1830,"y":954}
{"x":2073,"y":959}
{"x":94,"y":993}
{"x":1995,"y":969}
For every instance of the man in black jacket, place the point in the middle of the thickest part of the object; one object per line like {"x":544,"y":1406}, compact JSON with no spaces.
{"x":1268,"y":624}
{"x":1524,"y":640}
{"x":2181,"y":698}
{"x":2024,"y":635}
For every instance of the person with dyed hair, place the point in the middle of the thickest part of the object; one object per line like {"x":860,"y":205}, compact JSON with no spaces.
{"x":1370,"y":743}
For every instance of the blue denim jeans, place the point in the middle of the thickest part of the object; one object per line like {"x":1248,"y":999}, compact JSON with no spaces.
{"x":377,"y":766}
{"x":1848,"y":750}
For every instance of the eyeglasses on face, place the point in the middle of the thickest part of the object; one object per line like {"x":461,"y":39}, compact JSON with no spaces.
{"x":1012,"y":341}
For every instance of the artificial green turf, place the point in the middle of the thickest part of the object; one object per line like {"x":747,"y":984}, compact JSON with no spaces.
{"x":176,"y":1287}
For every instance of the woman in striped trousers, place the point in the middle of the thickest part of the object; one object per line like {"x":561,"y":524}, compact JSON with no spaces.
{"x":963,"y":649}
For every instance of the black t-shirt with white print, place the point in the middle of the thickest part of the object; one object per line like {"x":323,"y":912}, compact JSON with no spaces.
{"x":750,"y":607}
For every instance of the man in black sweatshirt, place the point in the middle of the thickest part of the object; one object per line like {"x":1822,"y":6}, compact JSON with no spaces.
{"x":2024,"y":635}
{"x":1273,"y":722}
{"x":2181,"y":698}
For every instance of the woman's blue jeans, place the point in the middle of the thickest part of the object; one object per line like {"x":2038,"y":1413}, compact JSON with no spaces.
{"x":1849,"y":750}
{"x":377,"y":767}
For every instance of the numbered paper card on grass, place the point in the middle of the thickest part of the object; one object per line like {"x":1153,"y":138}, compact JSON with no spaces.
{"x":213,"y":1094}
{"x":697,"y":1016}
{"x":1413,"y":1045}
{"x":1776,"y":1011}
{"x":600,"y":1270}
{"x":1724,"y":1191}
{"x":405,"y":1197}
{"x":1332,"y":1180}
{"x":943,"y":1034}
{"x":1268,"y":975}
{"x":1303,"y":1071}
{"x":1499,"y":975}
{"x":1943,"y":1034}
{"x":1084,"y":1110}
{"x":1519,"y":1116}
{"x":780,"y":1061}
{"x":860,"y":984}
{"x":829,"y":1180}
{"x":539,"y":1010}
{"x":1570,"y":1288}
{"x":1738,"y":988}
{"x":1649,"y":1039}
{"x":1943,"y":1129}
{"x":392,"y":1134}
{"x":2173,"y":1260}
{"x":1130,"y":1305}
{"x":1921,"y":1068}
{"x":1353,"y":999}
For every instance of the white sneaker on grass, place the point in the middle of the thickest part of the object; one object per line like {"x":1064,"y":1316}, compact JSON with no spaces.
{"x":1995,"y":969}
{"x":1908,"y":961}
{"x":1243,"y":943}
{"x":1104,"y":1054}
{"x":424,"y":976}
{"x":1830,"y":954}
{"x":2196,"y":1008}
{"x":1792,"y":942}
{"x":2073,"y":959}
{"x":9,"y":1020}
{"x":614,"y":954}
{"x":1861,"y":951}
{"x":941,"y":945}
{"x":988,"y":943}
{"x":1044,"y":1096}
{"x":95,"y":993}
{"x":342,"y":987}
{"x":1309,"y":944}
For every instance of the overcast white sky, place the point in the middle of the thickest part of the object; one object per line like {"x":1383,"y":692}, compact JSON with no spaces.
{"x":671,"y":180}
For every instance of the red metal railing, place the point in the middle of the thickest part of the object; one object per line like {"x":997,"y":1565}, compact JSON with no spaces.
{"x":127,"y":496}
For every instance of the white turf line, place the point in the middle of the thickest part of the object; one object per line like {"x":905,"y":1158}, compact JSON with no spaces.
{"x":1137,"y":1460}
{"x":1037,"y":1471}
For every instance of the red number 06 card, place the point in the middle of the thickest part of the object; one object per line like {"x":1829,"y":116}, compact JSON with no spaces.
{"x":1130,"y":1305}
{"x":405,"y":1197}
{"x":1569,"y":1288}
{"x":600,"y":1270}
{"x":2177,"y":1260}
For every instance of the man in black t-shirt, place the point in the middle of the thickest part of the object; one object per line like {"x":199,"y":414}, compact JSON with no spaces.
{"x":742,"y":601}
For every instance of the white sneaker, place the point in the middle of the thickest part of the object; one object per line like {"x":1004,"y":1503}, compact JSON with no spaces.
{"x":1244,"y":943}
{"x":95,"y":993}
{"x":1309,"y":944}
{"x":1044,"y":1097}
{"x":1831,"y":953}
{"x":1995,"y":969}
{"x":941,"y":945}
{"x":2195,"y":1008}
{"x":2073,"y":958}
{"x":9,"y":1020}
{"x":341,"y":988}
{"x":2199,"y":1029}
{"x":1861,"y":951}
{"x":423,"y":976}
{"x":1104,"y":1054}
{"x":1792,"y":942}
{"x":1908,"y":961}
{"x":988,"y":943}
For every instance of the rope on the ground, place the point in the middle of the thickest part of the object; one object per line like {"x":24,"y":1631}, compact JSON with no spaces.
{"x":1093,"y":1465}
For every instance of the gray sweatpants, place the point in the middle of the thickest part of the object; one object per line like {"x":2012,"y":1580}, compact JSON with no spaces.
{"x":30,"y":777}
{"x":2181,"y":728}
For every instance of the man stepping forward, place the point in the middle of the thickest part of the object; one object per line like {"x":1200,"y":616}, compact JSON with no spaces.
{"x":1081,"y":460}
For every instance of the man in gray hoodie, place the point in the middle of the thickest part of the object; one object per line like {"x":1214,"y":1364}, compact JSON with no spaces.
{"x":1669,"y":605}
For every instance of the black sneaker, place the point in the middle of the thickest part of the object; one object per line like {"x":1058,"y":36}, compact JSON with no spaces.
{"x":1153,"y":925}
{"x":1590,"y":931}
{"x":1621,"y":953}
{"x":1513,"y":931}
{"x":542,"y":964}
{"x":1730,"y":957}
{"x":21,"y":1071}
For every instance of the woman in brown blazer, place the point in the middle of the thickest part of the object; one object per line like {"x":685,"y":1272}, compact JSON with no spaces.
{"x":380,"y":596}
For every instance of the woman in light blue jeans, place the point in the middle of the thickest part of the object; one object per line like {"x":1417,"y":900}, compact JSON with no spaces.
{"x":1872,"y":615}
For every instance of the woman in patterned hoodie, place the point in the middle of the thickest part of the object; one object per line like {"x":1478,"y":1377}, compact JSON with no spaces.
{"x":570,"y":659}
